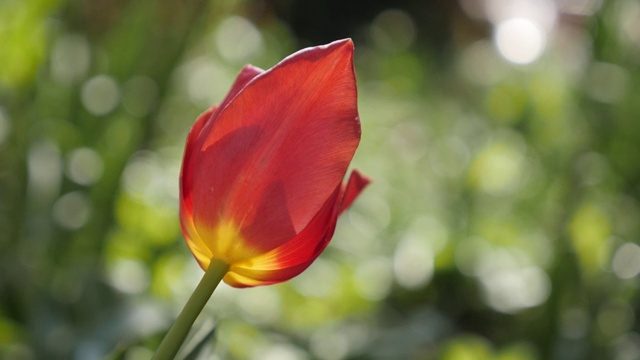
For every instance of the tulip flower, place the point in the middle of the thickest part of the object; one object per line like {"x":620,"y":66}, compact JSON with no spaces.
{"x":262,"y":176}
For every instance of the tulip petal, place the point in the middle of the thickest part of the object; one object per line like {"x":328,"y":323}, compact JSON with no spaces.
{"x":195,"y":243}
{"x":197,"y":247}
{"x":244,"y":77}
{"x":278,"y":149}
{"x":202,"y":124}
{"x":290,"y":259}
{"x":186,"y":178}
{"x":357,"y":182}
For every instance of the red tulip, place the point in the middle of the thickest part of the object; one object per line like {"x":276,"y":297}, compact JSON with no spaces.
{"x":261,"y":184}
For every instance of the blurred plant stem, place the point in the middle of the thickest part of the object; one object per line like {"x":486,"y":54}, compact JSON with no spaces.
{"x":175,"y":337}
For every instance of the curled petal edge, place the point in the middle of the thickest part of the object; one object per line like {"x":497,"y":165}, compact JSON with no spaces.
{"x":293,"y":257}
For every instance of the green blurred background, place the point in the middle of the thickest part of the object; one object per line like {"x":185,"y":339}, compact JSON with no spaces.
{"x":503,"y":137}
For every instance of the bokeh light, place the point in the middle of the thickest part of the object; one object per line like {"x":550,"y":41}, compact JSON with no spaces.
{"x":520,"y":40}
{"x":237,"y":39}
{"x":84,"y":166}
{"x":71,"y":210}
{"x":626,"y":261}
{"x":100,"y":95}
{"x":393,"y":30}
{"x":70,"y":58}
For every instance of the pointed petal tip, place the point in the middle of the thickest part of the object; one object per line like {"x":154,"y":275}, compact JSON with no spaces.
{"x":361,"y":179}
{"x":250,"y":70}
{"x":356,"y":183}
{"x":339,"y":43}
{"x":345,"y":45}
{"x":339,"y":48}
{"x":347,"y":42}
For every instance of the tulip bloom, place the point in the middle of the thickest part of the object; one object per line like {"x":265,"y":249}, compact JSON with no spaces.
{"x":261,"y":183}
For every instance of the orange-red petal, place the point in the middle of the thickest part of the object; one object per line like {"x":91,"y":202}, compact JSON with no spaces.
{"x":278,"y":149}
{"x":189,"y":164}
{"x":357,"y":182}
{"x":293,"y":257}
{"x":261,"y":182}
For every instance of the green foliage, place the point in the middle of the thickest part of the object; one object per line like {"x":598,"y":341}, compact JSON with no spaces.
{"x":502,"y":224}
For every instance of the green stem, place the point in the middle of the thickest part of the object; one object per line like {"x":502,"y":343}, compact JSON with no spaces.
{"x":175,"y":337}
